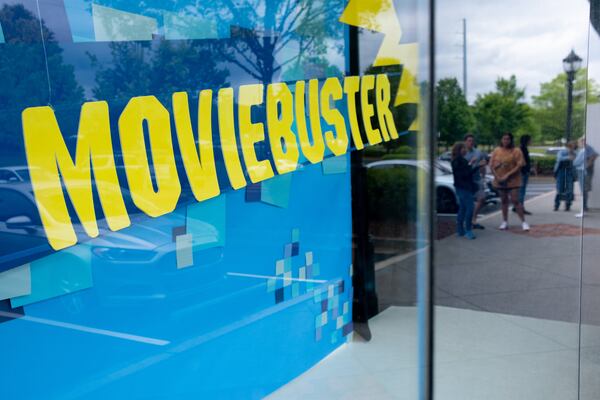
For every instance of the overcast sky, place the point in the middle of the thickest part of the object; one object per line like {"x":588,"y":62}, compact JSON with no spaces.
{"x":527,"y":38}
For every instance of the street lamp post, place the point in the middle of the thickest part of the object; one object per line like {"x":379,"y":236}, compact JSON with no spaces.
{"x":571,"y":65}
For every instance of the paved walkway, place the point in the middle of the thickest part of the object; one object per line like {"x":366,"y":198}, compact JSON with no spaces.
{"x":534,"y":274}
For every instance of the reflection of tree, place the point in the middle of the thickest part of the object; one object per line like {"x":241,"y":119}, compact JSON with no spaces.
{"x":23,"y":72}
{"x":290,"y":30}
{"x":158,"y":68}
{"x":310,"y":67}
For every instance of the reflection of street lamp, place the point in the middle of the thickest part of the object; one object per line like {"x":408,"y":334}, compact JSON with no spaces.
{"x":570,"y":64}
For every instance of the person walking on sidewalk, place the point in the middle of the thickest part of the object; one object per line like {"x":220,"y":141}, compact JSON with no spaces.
{"x":525,"y":171}
{"x":584,"y":163}
{"x":465,"y":186}
{"x":475,"y":157}
{"x":506,"y":163}
{"x":564,"y":173}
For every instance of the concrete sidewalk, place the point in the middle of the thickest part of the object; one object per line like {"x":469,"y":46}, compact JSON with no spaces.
{"x":534,"y":274}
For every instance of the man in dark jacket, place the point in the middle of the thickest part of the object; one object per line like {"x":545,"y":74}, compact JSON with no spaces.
{"x":465,"y":187}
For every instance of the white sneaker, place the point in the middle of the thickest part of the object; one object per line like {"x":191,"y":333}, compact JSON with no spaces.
{"x":580,"y":215}
{"x":525,"y":226}
{"x":503,"y":226}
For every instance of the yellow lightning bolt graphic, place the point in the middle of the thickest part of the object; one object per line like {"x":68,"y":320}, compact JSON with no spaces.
{"x":380,"y":16}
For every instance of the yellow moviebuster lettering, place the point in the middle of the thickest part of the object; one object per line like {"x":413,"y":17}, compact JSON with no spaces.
{"x":334,"y":106}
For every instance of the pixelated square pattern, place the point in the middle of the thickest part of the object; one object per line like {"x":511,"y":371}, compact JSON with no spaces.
{"x":334,"y":312}
{"x":333,"y":298}
{"x":296,"y":279}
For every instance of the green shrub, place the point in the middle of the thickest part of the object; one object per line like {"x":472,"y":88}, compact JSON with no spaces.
{"x":404,"y":150}
{"x":544,"y":165}
{"x":373,"y":152}
{"x":392,"y":194}
{"x":398,"y":156}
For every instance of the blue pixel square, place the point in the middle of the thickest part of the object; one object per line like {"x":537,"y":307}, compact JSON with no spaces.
{"x":341,"y":287}
{"x":253,"y":193}
{"x":309,"y":271}
{"x":318,"y":334}
{"x":278,"y":295}
{"x":347,"y":329}
{"x":324,"y":305}
{"x":295,"y":249}
{"x":14,"y":312}
{"x":287,"y":252}
{"x":295,"y":289}
{"x":178,"y":231}
{"x":334,"y":312}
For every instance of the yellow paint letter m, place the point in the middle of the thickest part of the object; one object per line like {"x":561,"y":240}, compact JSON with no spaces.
{"x":49,"y":161}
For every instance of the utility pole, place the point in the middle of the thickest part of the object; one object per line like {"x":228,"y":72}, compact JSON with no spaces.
{"x":465,"y":57}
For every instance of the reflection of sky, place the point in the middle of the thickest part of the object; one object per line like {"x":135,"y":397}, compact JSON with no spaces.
{"x":525,"y":38}
{"x":85,"y":73}
{"x":84,"y":28}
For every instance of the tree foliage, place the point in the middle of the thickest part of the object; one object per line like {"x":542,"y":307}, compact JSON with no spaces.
{"x":158,"y":68}
{"x":455,"y":118}
{"x":550,"y":106}
{"x":269,"y":37}
{"x":503,"y":110}
{"x":26,"y":72}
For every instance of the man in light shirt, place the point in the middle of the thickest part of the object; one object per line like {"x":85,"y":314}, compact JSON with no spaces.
{"x":474,"y":157}
{"x":584,"y":164}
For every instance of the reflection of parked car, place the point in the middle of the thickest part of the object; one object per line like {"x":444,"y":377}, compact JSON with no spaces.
{"x":14,"y":174}
{"x":552,"y":151}
{"x":23,"y":239}
{"x":445,"y":156}
{"x":446,"y":199}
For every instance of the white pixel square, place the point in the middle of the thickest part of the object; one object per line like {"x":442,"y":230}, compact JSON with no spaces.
{"x":279,"y":267}
{"x":309,"y":258}
{"x":287,"y":278}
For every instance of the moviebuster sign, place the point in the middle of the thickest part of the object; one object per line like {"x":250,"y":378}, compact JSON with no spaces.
{"x":52,"y":167}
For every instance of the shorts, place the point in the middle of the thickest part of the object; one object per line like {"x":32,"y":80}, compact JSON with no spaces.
{"x":506,"y":189}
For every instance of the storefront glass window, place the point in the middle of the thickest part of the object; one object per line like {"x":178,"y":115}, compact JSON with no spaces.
{"x":208,"y":199}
